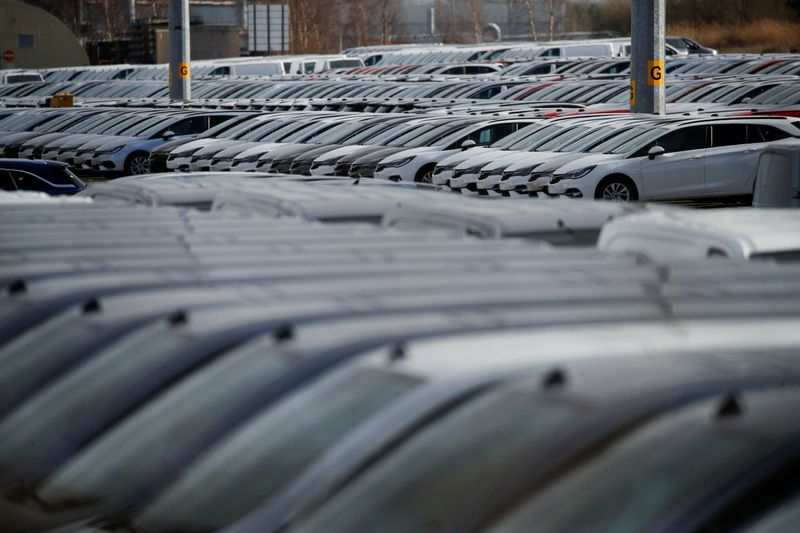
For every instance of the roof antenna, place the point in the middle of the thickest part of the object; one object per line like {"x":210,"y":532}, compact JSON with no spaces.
{"x":397,"y":352}
{"x":554,"y":379}
{"x":17,"y":287}
{"x":178,"y":318}
{"x":731,"y":406}
{"x":283,"y":333}
{"x":91,"y":306}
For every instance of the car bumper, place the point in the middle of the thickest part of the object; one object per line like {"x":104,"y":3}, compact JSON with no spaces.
{"x":442,"y":178}
{"x":244,"y":166}
{"x":179,"y":163}
{"x":109,"y":163}
{"x":488,"y":183}
{"x":566,"y":188}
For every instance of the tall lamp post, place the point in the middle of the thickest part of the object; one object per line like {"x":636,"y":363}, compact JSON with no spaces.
{"x":180,"y":83}
{"x":647,"y":56}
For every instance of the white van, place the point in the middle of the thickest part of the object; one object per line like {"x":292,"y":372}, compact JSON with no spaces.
{"x":256,"y":68}
{"x":694,"y":234}
{"x":578,"y":50}
{"x":20,"y":76}
{"x":778,"y":178}
{"x":320,"y":64}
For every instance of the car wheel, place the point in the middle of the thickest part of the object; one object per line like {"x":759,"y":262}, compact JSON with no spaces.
{"x":425,"y":175}
{"x":617,"y":189}
{"x":137,"y":164}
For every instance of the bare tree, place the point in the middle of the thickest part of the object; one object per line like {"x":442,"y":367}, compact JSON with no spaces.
{"x":388,"y":16}
{"x":474,"y":8}
{"x":531,"y":19}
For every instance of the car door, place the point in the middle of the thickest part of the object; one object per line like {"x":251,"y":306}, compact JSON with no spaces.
{"x":680,"y":171}
{"x":6,"y":182}
{"x":732,"y":161}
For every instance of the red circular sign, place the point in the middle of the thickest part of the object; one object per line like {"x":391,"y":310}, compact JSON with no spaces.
{"x":8,"y":55}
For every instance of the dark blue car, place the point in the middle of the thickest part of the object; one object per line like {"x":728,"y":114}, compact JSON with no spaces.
{"x":51,"y":177}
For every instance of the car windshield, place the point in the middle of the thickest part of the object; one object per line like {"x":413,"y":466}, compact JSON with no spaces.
{"x":224,"y":486}
{"x":598,"y":135}
{"x":263,"y":130}
{"x":517,"y":136}
{"x":535,"y":138}
{"x":370,"y":134}
{"x":338,"y":133}
{"x":449,"y":468}
{"x":238,"y":129}
{"x":560,"y":140}
{"x":643,"y":136}
{"x":147,"y":127}
{"x":413,"y":136}
{"x":395,"y":132}
{"x":629,"y":485}
{"x":783,"y":256}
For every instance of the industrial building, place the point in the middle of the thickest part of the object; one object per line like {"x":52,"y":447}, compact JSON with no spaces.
{"x":30,"y":37}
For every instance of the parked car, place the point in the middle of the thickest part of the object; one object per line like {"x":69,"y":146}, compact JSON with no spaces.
{"x":51,"y":177}
{"x":687,"y":160}
{"x":697,"y":234}
{"x":688,"y":46}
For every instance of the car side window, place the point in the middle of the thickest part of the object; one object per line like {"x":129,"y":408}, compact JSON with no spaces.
{"x":680,"y":140}
{"x":760,"y":133}
{"x":728,"y":134}
{"x":6,"y":183}
{"x":188,"y":126}
{"x":490,"y":134}
{"x":27,"y":182}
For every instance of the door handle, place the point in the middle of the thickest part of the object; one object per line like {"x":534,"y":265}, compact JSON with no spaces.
{"x":695,"y":157}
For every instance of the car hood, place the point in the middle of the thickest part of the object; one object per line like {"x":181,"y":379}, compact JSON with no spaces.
{"x":377,"y":155}
{"x":554,"y":162}
{"x":481,"y":158}
{"x":462,"y":155}
{"x":230,"y":147}
{"x":169,"y":146}
{"x":342,"y":151}
{"x":315,"y":152}
{"x":411,"y":152}
{"x":529,"y":158}
{"x":105,"y":142}
{"x":240,"y":151}
{"x":12,"y":138}
{"x":586,"y":160}
{"x":43,"y":138}
{"x":199,"y":144}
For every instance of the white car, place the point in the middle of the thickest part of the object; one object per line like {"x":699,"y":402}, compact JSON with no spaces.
{"x":689,"y":234}
{"x":417,"y":164}
{"x":701,"y":158}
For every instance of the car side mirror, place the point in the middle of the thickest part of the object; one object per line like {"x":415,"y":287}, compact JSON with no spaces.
{"x":469,"y":143}
{"x":655,"y":151}
{"x":167,"y":135}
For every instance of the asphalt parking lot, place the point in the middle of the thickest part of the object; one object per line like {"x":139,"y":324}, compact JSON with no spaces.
{"x":394,"y":298}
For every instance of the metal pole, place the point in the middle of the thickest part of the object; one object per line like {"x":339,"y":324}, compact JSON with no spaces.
{"x":179,"y":69}
{"x":647,"y":56}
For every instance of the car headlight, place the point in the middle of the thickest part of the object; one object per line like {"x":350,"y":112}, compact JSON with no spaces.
{"x":577,"y":174}
{"x":113,"y":150}
{"x":327,"y":163}
{"x":399,"y":162}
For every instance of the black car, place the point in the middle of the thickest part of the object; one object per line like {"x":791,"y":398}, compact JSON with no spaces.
{"x":51,"y":177}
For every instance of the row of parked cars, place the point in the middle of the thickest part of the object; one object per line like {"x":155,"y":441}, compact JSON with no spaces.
{"x":268,"y":352}
{"x":612,"y":156}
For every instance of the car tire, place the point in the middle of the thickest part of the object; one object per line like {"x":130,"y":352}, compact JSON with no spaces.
{"x":138,"y":163}
{"x":425,"y":174}
{"x":617,"y":189}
